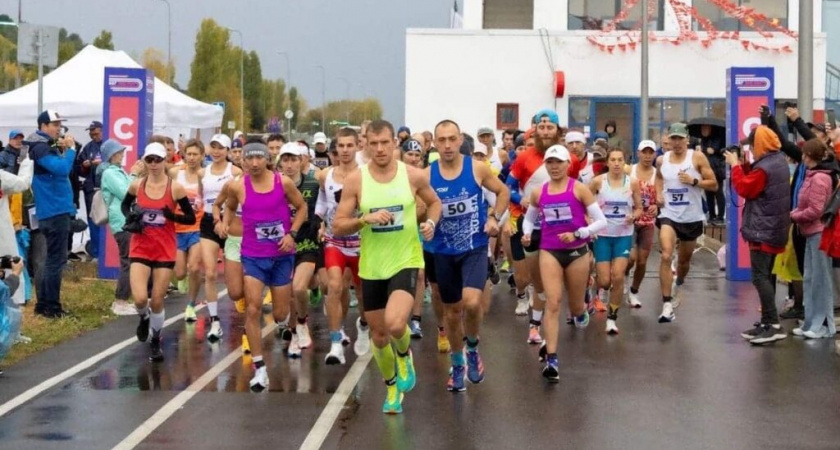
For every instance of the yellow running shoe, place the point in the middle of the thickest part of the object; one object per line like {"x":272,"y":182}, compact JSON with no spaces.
{"x":393,"y":400}
{"x":246,"y":347}
{"x":443,"y":343}
{"x":267,"y":299}
{"x":189,"y":314}
{"x":240,"y":305}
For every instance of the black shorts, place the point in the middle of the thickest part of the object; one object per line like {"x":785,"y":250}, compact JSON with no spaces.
{"x":429,"y":259}
{"x":375,"y":293}
{"x":566,"y":257}
{"x":687,"y":232}
{"x":207,"y":230}
{"x":316,"y":257}
{"x":456,"y":272}
{"x":153,"y":264}
{"x":525,"y":251}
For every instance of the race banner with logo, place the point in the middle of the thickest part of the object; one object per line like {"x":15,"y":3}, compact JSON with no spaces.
{"x":127,"y":117}
{"x":747,"y":89}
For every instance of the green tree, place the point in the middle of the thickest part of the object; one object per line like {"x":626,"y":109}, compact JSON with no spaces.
{"x":253,"y":90}
{"x":353,"y":112}
{"x":274,"y":99}
{"x":214,"y":71}
{"x":154,"y":60}
{"x":68,"y":45}
{"x":295,"y":105}
{"x":104,"y":40}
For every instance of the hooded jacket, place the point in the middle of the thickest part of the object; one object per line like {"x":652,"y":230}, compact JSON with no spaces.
{"x":767,"y":215}
{"x":815,"y":191}
{"x":51,"y":182}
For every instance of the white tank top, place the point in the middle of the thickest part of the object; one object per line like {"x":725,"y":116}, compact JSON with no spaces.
{"x":683,"y":202}
{"x":348,"y":245}
{"x":193,"y":191}
{"x":617,"y":204}
{"x":587,"y":173}
{"x":496,"y":160}
{"x":213,"y":185}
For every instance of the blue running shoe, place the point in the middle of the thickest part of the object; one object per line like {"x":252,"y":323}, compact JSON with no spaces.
{"x":456,"y":379}
{"x":551,"y":371}
{"x":393,"y":400}
{"x":475,"y":367}
{"x":582,"y":320}
{"x":406,"y":378}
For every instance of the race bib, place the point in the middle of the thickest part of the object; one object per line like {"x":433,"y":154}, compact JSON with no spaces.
{"x":557,"y":213}
{"x":270,"y":231}
{"x":154,"y":218}
{"x":456,"y":207}
{"x":210,"y":201}
{"x":615,"y":210}
{"x":677,"y":198}
{"x":396,"y":223}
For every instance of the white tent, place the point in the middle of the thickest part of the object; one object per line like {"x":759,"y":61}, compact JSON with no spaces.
{"x":75,"y":90}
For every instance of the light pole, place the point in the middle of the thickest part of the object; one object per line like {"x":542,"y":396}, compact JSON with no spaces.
{"x":168,"y":41}
{"x":241,"y":78}
{"x":805,"y":98}
{"x":346,"y":99}
{"x":288,"y":83}
{"x":643,"y":103}
{"x":323,"y":97}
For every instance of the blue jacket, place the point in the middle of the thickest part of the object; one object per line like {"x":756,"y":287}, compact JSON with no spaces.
{"x":89,"y":153}
{"x":10,"y":160}
{"x":51,"y":182}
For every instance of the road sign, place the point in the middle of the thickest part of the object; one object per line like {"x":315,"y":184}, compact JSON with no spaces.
{"x":289,"y":114}
{"x":28,"y":44}
{"x":222,"y":104}
{"x":231,"y":124}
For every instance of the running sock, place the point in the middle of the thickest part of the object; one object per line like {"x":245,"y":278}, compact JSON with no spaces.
{"x":143,"y":312}
{"x":541,"y":296}
{"x":258,"y":362}
{"x":335,"y":337}
{"x":634,"y":290}
{"x":417,"y":319}
{"x":613,"y":312}
{"x":157,"y":319}
{"x":386,"y":360}
{"x":441,"y":331}
{"x":536,"y":316}
{"x":192,"y":303}
{"x":282,"y":324}
{"x":680,"y":281}
{"x":363,"y":323}
{"x":302,"y":320}
{"x":213,"y":308}
{"x":402,"y":343}
{"x":522,"y":296}
{"x":472,"y":343}
{"x":666,"y":299}
{"x":457,"y":358}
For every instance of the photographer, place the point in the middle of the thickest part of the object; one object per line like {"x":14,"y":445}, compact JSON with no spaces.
{"x":11,"y":183}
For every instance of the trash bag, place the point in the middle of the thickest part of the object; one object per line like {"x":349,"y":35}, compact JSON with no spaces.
{"x":10,"y":318}
{"x":786,"y":268}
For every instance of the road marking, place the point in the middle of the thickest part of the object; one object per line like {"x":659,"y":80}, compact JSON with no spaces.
{"x":318,"y":434}
{"x":166,"y":411}
{"x":35,"y":391}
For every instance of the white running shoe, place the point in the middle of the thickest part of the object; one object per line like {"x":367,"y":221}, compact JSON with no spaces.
{"x":521,"y":306}
{"x":260,"y":381}
{"x":304,"y":340}
{"x":676,"y":298}
{"x":531,"y":295}
{"x":345,"y":340}
{"x":612,"y":328}
{"x":294,"y":347}
{"x":215,"y":332}
{"x":667,"y":313}
{"x":626,"y":285}
{"x":633,"y":300}
{"x":336,"y":354}
{"x":362,"y":344}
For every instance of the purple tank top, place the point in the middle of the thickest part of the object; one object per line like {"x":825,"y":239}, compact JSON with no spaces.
{"x":561,"y":213}
{"x":266,"y":218}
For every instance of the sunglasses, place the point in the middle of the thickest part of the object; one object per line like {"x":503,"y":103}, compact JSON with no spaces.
{"x":153,"y":159}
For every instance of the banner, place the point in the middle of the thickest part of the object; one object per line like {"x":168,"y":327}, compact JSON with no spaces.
{"x":127,"y":117}
{"x":747,"y":88}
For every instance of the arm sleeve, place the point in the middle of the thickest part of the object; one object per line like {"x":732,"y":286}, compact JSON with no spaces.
{"x":128,"y":200}
{"x":188,"y":216}
{"x":599,"y":221}
{"x":513,"y":184}
{"x":788,"y":148}
{"x":748,"y":184}
{"x":803,"y":130}
{"x":321,"y":204}
{"x":530,"y":220}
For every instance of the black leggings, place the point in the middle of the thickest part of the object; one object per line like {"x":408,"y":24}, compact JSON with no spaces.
{"x":716,"y":199}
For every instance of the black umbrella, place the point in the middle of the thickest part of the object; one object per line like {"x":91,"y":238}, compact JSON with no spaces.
{"x":718,"y":127}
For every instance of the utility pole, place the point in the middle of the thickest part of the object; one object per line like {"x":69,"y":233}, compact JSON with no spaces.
{"x":346,"y":99}
{"x":288,"y":85}
{"x":323,"y":98}
{"x":643,"y":98}
{"x":40,"y":51}
{"x":806,"y":60}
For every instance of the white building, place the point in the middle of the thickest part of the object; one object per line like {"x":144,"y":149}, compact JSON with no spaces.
{"x":499,"y":69}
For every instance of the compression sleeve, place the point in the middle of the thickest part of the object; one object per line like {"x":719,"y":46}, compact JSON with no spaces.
{"x":599,"y":221}
{"x":125,"y":206}
{"x":513,"y":184}
{"x":530,"y":220}
{"x":188,"y":216}
{"x":321,"y":204}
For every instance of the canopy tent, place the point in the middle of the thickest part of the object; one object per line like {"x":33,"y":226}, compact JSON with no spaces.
{"x":75,"y":90}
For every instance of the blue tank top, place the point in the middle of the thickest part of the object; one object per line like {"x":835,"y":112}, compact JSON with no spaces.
{"x":461,"y":227}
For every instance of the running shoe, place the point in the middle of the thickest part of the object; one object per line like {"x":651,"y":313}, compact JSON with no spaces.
{"x":284,"y":333}
{"x":757,"y":329}
{"x":156,"y":354}
{"x":820,"y":333}
{"x":534,"y":337}
{"x":183,"y":286}
{"x":475,"y":367}
{"x":21,"y":339}
{"x":304,"y":339}
{"x":362,"y":344}
{"x":793,"y":313}
{"x":345,"y":340}
{"x":123,"y":308}
{"x":143,"y":328}
{"x":551,"y":371}
{"x":505,"y":266}
{"x":789,"y":302}
{"x":796,"y":332}
{"x":260,"y":381}
{"x":569,"y":319}
{"x":416,"y":331}
{"x":633,"y":300}
{"x":189,"y":314}
{"x":315,"y":297}
{"x":612,"y":328}
{"x":493,"y":273}
{"x":427,"y":295}
{"x":597,"y":304}
{"x":456,"y":379}
{"x":240,"y":305}
{"x":406,"y":378}
{"x":393,"y":400}
{"x":246,"y":346}
{"x":543,"y":352}
{"x":582,"y":321}
{"x":354,"y":302}
{"x":771,"y":333}
{"x":294,"y":347}
{"x":667,"y":313}
{"x":215,"y":332}
{"x":336,"y":354}
{"x":522,"y":306}
{"x":443,"y":342}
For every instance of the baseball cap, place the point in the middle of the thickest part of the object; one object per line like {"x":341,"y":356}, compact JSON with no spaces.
{"x":49,"y":116}
{"x":647,"y":143}
{"x":598,"y":152}
{"x":252,"y":149}
{"x":291,"y":148}
{"x":236,"y":144}
{"x":15,"y":133}
{"x":550,"y":114}
{"x":575,"y":136}
{"x":319,"y":138}
{"x":600,"y":135}
{"x":484,"y":130}
{"x":519,"y":141}
{"x":221,"y":139}
{"x":155,"y":149}
{"x":480,"y":148}
{"x":110,"y":148}
{"x":404,"y":128}
{"x":94,"y":125}
{"x":557,"y":152}
{"x":412,"y":145}
{"x":678,"y":129}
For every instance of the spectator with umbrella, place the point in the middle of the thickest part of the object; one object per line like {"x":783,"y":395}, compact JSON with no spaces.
{"x":712,"y":135}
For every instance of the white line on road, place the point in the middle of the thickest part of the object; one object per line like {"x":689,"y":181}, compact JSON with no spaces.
{"x":33,"y":392}
{"x":318,"y":434}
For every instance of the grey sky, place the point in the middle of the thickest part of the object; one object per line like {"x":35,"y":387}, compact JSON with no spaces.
{"x":360,"y":40}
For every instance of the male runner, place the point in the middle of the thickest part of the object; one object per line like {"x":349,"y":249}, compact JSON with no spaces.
{"x":682,"y":177}
{"x":391,"y":254}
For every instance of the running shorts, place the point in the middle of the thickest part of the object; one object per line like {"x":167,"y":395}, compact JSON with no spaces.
{"x":688,"y":232}
{"x":608,"y":248}
{"x":644,"y":237}
{"x":334,"y":257}
{"x":233,"y":248}
{"x":568,"y":256}
{"x":187,"y":240}
{"x":375,"y":293}
{"x":429,"y":259}
{"x":207,"y":230}
{"x":272,"y":272}
{"x":153,"y":264}
{"x":456,"y":272}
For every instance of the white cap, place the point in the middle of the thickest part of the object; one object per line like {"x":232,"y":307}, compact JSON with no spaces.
{"x":557,"y":152}
{"x":480,"y":148}
{"x":221,"y":139}
{"x":236,"y":134}
{"x":291,"y":148}
{"x":575,"y":136}
{"x":647,"y":144}
{"x":311,"y":152}
{"x":155,"y":149}
{"x":319,"y":138}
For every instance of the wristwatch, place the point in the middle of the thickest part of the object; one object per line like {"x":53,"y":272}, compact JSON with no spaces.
{"x":498,"y":218}
{"x":695,"y":182}
{"x":293,"y":234}
{"x":576,"y":234}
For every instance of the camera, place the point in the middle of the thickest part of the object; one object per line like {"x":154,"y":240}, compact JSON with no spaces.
{"x":736,"y":149}
{"x":787,"y":105}
{"x":7,"y":261}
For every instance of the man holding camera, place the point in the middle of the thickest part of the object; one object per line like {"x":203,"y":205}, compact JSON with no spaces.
{"x":86,"y":163}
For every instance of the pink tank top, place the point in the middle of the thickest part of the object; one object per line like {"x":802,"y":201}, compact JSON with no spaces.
{"x":266,"y":218}
{"x":561,"y":213}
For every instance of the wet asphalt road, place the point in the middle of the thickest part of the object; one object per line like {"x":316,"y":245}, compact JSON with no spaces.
{"x":690,"y":384}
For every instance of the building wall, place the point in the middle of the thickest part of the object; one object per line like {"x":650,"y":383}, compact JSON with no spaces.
{"x":463,"y":74}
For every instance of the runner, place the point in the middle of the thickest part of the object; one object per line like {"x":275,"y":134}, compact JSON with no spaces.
{"x":562,"y":205}
{"x":519,"y":278}
{"x":275,"y":142}
{"x":645,"y":173}
{"x":680,"y":181}
{"x":340,"y":253}
{"x":620,"y":200}
{"x":229,"y":228}
{"x":188,"y":260}
{"x":152,"y":252}
{"x":213,"y":179}
{"x":460,"y":247}
{"x":384,"y":191}
{"x":321,"y":159}
{"x":268,"y":244}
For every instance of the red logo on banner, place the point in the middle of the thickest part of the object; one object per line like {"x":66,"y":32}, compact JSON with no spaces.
{"x":748,"y":116}
{"x":124,"y":126}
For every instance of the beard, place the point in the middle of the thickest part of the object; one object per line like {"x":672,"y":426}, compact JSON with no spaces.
{"x":543,"y":144}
